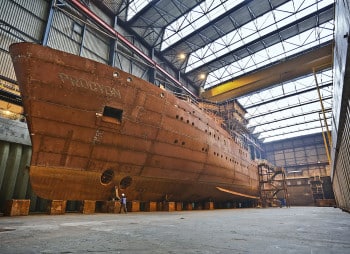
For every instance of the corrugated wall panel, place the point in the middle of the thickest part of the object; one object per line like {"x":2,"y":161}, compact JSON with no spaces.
{"x":305,"y":150}
{"x":13,"y":166}
{"x":341,"y":107}
{"x":96,"y":46}
{"x":62,"y":36}
{"x":343,"y":165}
{"x":6,"y":68}
{"x":32,"y":12}
{"x":14,"y":18}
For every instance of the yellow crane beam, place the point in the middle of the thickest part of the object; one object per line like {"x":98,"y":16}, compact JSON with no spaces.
{"x":320,"y":58}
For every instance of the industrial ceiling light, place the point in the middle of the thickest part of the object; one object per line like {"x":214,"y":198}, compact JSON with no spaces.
{"x":182,"y":56}
{"x":202,"y":76}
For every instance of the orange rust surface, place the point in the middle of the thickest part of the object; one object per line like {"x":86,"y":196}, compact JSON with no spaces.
{"x":166,"y":147}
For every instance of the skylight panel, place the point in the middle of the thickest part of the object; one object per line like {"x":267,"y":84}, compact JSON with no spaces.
{"x":274,"y":56}
{"x":263,"y":25}
{"x":198,"y":17}
{"x":289,"y":116}
{"x":285,"y":135}
{"x":135,"y":6}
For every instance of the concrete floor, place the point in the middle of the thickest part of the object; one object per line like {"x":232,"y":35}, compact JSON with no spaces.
{"x":273,"y":230}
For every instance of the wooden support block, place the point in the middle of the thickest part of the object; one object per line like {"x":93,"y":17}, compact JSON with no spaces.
{"x":169,"y":206}
{"x":189,"y":206}
{"x":133,"y":206}
{"x":88,"y":207}
{"x":109,"y":206}
{"x":178,"y":206}
{"x":151,"y":206}
{"x":17,"y":207}
{"x":113,"y":206}
{"x":209,"y":206}
{"x":325,"y":202}
{"x":57,"y":207}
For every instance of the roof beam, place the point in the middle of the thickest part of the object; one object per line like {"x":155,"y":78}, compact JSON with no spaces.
{"x":289,"y":107}
{"x":319,"y":58}
{"x":286,"y":118}
{"x":286,"y":96}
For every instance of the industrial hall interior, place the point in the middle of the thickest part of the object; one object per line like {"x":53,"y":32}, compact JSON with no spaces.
{"x":219,"y":112}
{"x":210,"y":105}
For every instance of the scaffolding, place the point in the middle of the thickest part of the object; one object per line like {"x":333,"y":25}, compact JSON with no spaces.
{"x":272,"y":185}
{"x":316,"y":185}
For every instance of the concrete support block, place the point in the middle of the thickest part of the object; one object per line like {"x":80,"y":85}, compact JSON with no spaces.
{"x":16,"y":207}
{"x":11,"y":167}
{"x":151,"y":206}
{"x":57,"y":207}
{"x":209,"y":206}
{"x":178,"y":206}
{"x":88,"y":206}
{"x":169,"y":206}
{"x":133,"y":206}
{"x":160,"y":206}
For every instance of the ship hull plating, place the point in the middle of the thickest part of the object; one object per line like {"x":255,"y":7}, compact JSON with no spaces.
{"x":94,"y":127}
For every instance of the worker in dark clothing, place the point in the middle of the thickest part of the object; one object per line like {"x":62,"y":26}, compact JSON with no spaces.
{"x":123,"y":204}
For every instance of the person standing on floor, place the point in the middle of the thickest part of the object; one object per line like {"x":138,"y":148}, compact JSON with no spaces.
{"x":123,"y":204}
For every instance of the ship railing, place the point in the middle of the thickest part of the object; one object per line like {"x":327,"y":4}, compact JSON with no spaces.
{"x":225,"y":124}
{"x":200,"y":104}
{"x":186,"y":97}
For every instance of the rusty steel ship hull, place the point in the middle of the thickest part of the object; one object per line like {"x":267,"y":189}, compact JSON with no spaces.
{"x":94,"y":127}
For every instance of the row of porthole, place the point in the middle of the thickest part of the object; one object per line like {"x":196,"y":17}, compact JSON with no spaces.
{"x":116,"y":75}
{"x":188,"y":121}
{"x":177,"y":141}
{"x":206,"y":131}
{"x":234,"y":139}
{"x":129,"y":79}
{"x":183,"y":143}
{"x":231,"y":160}
{"x":215,"y":136}
{"x":181,"y":118}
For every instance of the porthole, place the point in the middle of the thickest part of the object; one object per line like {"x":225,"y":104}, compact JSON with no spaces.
{"x":188,"y":121}
{"x":107,"y":176}
{"x":115,"y":74}
{"x":125,"y":182}
{"x":192,"y":123}
{"x":177,"y":116}
{"x":176,"y":141}
{"x":128,"y":79}
{"x":214,"y":153}
{"x":183,"y":143}
{"x":162,"y":95}
{"x":181,"y":118}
